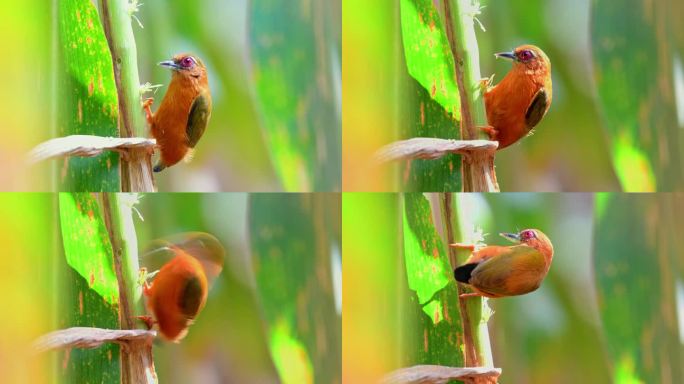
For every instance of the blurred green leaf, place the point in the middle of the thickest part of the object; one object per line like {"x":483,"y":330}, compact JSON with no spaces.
{"x":89,"y":292}
{"x":428,"y":55}
{"x":636,"y":272}
{"x":296,"y":61}
{"x":634,"y":53}
{"x":292,"y":262}
{"x":436,"y":334}
{"x":86,"y":243}
{"x":86,"y":95}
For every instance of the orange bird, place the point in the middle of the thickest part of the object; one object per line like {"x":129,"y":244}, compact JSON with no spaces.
{"x":497,"y":271}
{"x":179,"y":290}
{"x":184,"y":112}
{"x":521,"y":99}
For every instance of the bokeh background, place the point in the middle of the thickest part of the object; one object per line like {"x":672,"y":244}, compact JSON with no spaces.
{"x":611,"y":308}
{"x":274,"y":72}
{"x":616,"y":118}
{"x":272,"y":315}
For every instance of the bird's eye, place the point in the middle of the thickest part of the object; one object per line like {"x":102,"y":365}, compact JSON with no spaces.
{"x":525,"y":55}
{"x":527,"y":234}
{"x":187,"y":62}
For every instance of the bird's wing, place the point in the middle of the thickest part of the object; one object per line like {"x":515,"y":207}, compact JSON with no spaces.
{"x":198,"y":118}
{"x":537,"y":108}
{"x":190,"y":297}
{"x":520,"y":270}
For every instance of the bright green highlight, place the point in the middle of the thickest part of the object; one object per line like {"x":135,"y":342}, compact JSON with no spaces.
{"x":426,"y":266}
{"x":86,"y":243}
{"x":428,"y":55}
{"x":88,"y":103}
{"x":600,"y":203}
{"x":633,"y":166}
{"x":290,"y":356}
{"x":625,"y":372}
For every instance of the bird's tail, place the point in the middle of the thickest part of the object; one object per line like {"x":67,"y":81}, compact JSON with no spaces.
{"x":464,"y":272}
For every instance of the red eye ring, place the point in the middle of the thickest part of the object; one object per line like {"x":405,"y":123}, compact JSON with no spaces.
{"x":187,"y":62}
{"x":527,"y":234}
{"x":525,"y":55}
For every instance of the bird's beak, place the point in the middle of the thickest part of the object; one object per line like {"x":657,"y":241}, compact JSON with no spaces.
{"x":506,"y":55}
{"x":514,"y":237}
{"x":170,"y":64}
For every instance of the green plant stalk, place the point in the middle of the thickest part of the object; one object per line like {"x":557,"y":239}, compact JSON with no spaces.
{"x":136,"y":361}
{"x":136,"y":167}
{"x":478,"y":168}
{"x":474,"y":314}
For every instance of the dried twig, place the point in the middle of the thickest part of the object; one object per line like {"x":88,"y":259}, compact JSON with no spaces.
{"x":432,"y":148}
{"x":437,"y":374}
{"x":85,"y":146}
{"x":85,"y":337}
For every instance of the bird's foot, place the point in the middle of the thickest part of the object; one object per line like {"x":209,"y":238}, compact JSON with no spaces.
{"x":467,"y":295}
{"x":143,"y":277}
{"x":470,"y":247}
{"x":148,"y":111}
{"x":148,"y":320}
{"x":485,"y":83}
{"x":492,"y":132}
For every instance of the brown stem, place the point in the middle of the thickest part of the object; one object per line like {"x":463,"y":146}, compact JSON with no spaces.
{"x":470,"y":351}
{"x":478,"y":170}
{"x":136,"y":168}
{"x":136,"y":361}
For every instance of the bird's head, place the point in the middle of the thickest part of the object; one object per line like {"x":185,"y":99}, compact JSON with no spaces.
{"x":186,"y":65}
{"x":527,"y":57}
{"x":533,"y":238}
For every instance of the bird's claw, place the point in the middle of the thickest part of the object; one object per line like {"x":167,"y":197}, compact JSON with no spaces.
{"x":148,"y":111}
{"x":148,"y":320}
{"x":467,"y":295}
{"x":486,"y":82}
{"x":492,"y":132}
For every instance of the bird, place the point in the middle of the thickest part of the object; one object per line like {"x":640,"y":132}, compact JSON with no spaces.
{"x":179,"y":290}
{"x":497,"y":271}
{"x":518,"y":103}
{"x":184,"y":113}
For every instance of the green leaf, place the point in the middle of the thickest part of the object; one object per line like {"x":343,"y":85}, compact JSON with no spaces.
{"x":427,"y":267}
{"x":87,"y":96}
{"x":428,"y":55}
{"x":423,"y":117}
{"x":635,"y":63}
{"x":86,"y":244}
{"x":89,"y":292}
{"x":636,"y":273}
{"x":429,"y":97}
{"x":291,"y":248}
{"x":296,"y":62}
{"x":437,"y":332}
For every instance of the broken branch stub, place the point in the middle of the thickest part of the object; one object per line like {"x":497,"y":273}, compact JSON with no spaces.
{"x":86,"y":337}
{"x":86,"y":146}
{"x":438,"y":374}
{"x":432,"y":148}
